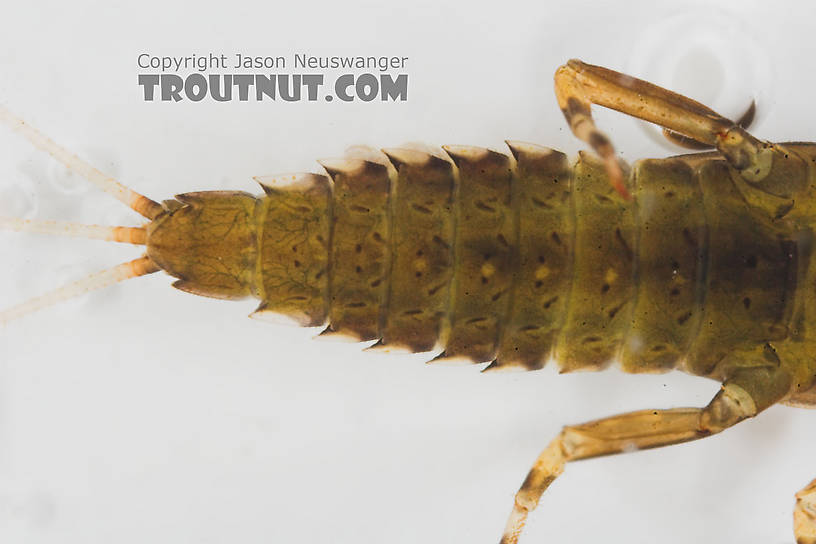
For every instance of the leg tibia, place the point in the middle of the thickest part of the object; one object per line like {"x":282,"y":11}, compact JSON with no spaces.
{"x":736,"y":401}
{"x":684,"y":141}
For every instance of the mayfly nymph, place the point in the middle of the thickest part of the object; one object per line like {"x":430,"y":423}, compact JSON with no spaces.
{"x":702,"y":263}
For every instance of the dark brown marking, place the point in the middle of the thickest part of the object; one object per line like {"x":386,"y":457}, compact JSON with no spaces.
{"x":689,"y":238}
{"x":599,"y":141}
{"x":540,"y":203}
{"x":622,"y":241}
{"x":439,"y":241}
{"x":683,"y":318}
{"x":484,"y":207}
{"x":576,"y":106}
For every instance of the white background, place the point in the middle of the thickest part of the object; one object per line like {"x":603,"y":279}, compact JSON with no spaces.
{"x":143,"y":414}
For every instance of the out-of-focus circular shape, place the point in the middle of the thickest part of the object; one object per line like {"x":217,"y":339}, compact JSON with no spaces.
{"x":715,"y":57}
{"x":18,"y":199}
{"x":64,"y":180}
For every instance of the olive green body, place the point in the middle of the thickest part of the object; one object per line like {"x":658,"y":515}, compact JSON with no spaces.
{"x":519,"y":259}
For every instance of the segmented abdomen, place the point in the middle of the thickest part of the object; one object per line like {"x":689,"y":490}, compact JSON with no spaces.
{"x":517,"y":259}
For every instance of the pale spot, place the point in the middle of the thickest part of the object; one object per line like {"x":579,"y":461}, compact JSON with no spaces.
{"x":488,"y":270}
{"x":278,"y":318}
{"x":542,"y":272}
{"x":380,"y":347}
{"x":611,"y":276}
{"x":420,"y":265}
{"x":450,"y":360}
{"x":630,"y":447}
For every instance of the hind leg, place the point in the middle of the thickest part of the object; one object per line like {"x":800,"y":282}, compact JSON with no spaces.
{"x":748,"y":393}
{"x":618,"y":434}
{"x":804,"y":515}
